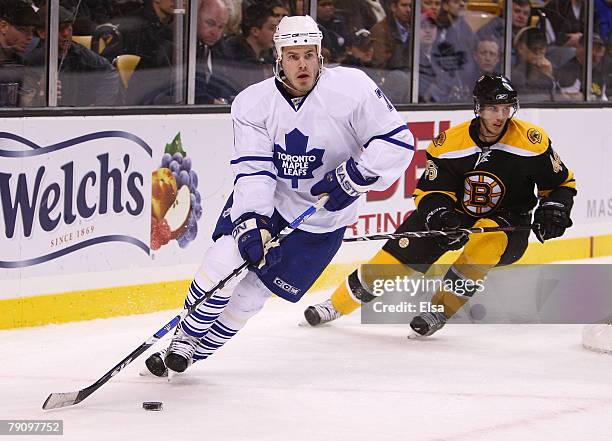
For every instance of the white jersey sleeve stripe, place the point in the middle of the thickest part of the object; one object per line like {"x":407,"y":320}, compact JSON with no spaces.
{"x":388,"y":137}
{"x":259,"y":173}
{"x":251,"y":158}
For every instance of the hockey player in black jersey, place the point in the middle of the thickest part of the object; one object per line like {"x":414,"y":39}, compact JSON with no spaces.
{"x":481,"y":173}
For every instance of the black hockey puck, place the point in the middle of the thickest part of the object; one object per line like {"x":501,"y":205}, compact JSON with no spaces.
{"x":152,"y":405}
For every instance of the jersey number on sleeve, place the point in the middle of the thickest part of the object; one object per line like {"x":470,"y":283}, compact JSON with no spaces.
{"x":381,"y":95}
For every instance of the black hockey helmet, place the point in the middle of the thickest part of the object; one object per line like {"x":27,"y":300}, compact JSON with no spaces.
{"x":494,"y":89}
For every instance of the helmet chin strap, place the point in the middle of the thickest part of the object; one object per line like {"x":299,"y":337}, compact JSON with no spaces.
{"x":277,"y":74}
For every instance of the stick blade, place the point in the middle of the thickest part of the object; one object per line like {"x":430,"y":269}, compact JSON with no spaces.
{"x":61,"y":399}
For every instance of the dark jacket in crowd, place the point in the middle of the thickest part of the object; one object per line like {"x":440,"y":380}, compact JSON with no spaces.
{"x":144,"y":35}
{"x":209,"y":85}
{"x":533,"y":85}
{"x":561,"y":15}
{"x":389,"y":50}
{"x":570,"y":77}
{"x":454,"y":45}
{"x":86,"y":78}
{"x":239,"y":65}
{"x":334,"y":37}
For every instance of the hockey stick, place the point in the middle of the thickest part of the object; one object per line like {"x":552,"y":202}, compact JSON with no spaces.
{"x":64,"y":399}
{"x":437,"y":233}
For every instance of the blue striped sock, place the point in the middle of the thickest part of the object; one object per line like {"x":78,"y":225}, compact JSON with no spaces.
{"x":198,"y":322}
{"x":218,"y":334}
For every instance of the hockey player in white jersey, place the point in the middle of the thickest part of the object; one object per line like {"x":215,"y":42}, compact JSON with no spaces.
{"x":306,"y":132}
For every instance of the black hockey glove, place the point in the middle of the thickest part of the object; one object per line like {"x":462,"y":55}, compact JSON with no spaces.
{"x":550,"y":220}
{"x":344,"y":185}
{"x":252,"y":232}
{"x":446,"y":219}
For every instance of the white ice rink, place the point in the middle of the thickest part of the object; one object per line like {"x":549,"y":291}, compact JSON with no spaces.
{"x":280,"y":382}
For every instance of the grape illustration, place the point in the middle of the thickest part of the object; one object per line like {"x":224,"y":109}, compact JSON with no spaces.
{"x":177,"y":157}
{"x":183,"y":178}
{"x":181,"y":167}
{"x":174,"y":166}
{"x":165,"y":162}
{"x":194,"y":179}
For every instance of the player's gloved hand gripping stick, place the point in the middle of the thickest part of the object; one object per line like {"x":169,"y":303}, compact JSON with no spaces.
{"x":64,"y":399}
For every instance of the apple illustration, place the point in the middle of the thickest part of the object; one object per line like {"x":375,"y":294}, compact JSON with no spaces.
{"x":163,"y":192}
{"x":177,"y":215}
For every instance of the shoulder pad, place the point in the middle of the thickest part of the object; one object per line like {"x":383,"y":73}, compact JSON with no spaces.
{"x":526,"y":136}
{"x":452,"y":143}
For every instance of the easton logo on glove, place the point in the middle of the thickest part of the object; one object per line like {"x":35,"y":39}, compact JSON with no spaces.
{"x":344,"y":185}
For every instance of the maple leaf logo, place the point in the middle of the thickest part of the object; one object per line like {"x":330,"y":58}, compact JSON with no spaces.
{"x":296,"y":161}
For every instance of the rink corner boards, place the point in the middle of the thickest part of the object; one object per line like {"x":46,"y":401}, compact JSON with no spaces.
{"x":140,"y":299}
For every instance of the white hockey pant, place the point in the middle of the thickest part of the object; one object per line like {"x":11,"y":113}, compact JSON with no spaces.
{"x":220,"y":317}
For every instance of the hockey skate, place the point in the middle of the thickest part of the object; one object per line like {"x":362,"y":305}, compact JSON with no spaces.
{"x":180,"y":352}
{"x":155,"y":364}
{"x":320,"y":313}
{"x":426,"y":323}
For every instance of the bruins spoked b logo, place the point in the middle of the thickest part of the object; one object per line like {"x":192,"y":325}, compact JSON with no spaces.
{"x":439,"y":140}
{"x":534,"y":136}
{"x":482,"y":193}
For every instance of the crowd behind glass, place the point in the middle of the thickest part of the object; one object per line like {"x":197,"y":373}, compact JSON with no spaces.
{"x":135,"y":52}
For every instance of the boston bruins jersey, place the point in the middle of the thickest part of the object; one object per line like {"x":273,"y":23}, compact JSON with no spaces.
{"x":485,"y":178}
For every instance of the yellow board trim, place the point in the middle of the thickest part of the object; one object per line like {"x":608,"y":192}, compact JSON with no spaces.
{"x":92,"y":304}
{"x":141,"y":299}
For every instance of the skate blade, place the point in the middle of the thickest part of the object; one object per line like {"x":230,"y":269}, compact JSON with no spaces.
{"x":304,"y":324}
{"x":415,"y":336}
{"x":175,"y":376}
{"x":147,"y":373}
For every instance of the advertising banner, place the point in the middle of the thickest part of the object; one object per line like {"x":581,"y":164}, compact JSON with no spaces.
{"x":95,"y":202}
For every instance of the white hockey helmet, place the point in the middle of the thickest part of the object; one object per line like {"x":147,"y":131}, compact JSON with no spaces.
{"x":297,"y":30}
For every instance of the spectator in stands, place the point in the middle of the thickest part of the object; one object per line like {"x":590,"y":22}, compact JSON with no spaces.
{"x":522,"y":16}
{"x":150,"y":35}
{"x":248,"y":58}
{"x":296,"y":7}
{"x":432,"y":5}
{"x":603,"y":16}
{"x":280,"y":10}
{"x":357,"y":14}
{"x":395,"y":84}
{"x":213,"y":15}
{"x":86,"y":14}
{"x":455,"y":87}
{"x":454,"y":45}
{"x":359,"y":49}
{"x":17,"y":24}
{"x":570,"y":74}
{"x":568,"y":18}
{"x":391,"y":37}
{"x":333,"y":28}
{"x":487,"y":57}
{"x":533,"y":74}
{"x":521,"y":11}
{"x":429,"y":72}
{"x":84,"y":77}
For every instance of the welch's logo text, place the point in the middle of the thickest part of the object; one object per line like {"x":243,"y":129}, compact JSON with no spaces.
{"x":56,"y":202}
{"x":58,"y":199}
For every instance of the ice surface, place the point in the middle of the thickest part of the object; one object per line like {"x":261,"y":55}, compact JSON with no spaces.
{"x":344,"y":381}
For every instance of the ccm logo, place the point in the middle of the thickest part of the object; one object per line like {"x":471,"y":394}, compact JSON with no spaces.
{"x":285,"y":286}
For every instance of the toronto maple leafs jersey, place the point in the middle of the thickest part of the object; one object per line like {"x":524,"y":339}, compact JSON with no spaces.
{"x":283,"y":146}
